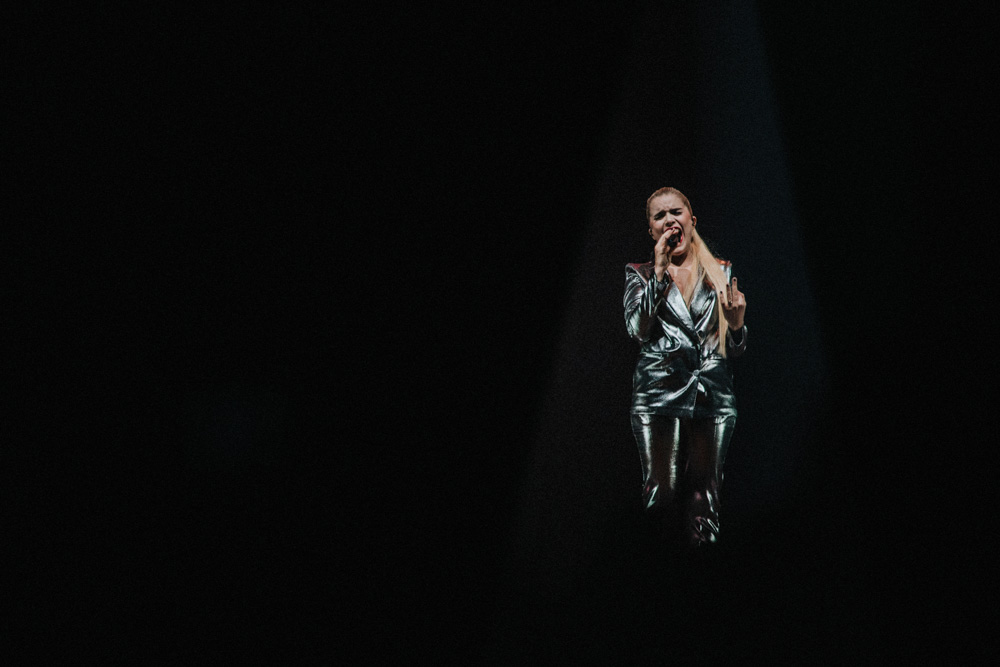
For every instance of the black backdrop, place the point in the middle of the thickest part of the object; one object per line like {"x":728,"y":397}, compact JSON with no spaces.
{"x":289,"y":287}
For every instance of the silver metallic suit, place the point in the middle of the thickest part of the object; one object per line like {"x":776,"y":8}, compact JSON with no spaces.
{"x":683,"y":408}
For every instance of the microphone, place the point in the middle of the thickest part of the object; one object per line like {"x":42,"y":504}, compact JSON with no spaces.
{"x":672,"y":240}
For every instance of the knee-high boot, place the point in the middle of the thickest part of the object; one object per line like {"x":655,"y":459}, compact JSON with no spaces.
{"x":707,"y":452}
{"x":658,"y":438}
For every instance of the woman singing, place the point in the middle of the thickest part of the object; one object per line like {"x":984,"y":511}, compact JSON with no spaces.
{"x":688,"y":318}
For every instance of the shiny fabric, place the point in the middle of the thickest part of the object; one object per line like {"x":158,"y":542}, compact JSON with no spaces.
{"x":683,"y":406}
{"x":682,"y":463}
{"x":679,"y":373}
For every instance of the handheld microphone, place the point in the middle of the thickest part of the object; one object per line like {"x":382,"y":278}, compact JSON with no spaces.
{"x":672,"y":240}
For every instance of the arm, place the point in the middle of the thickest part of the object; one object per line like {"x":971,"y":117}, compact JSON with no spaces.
{"x":641,"y":301}
{"x":734,"y":304}
{"x":643,"y":298}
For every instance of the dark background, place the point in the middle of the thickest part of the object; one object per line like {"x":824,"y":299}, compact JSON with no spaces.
{"x":288,"y":288}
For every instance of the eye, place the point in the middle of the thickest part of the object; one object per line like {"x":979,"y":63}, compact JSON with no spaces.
{"x":658,"y":216}
{"x":676,"y":211}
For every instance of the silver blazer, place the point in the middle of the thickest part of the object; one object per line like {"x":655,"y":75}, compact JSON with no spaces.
{"x":680,"y":372}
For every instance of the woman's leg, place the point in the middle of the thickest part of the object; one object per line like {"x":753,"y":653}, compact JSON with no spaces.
{"x":658,"y":438}
{"x":708,"y":441}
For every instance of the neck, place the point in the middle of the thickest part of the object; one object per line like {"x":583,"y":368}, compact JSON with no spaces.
{"x":684,"y":260}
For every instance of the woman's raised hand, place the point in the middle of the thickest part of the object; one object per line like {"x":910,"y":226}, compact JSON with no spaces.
{"x":733,"y":305}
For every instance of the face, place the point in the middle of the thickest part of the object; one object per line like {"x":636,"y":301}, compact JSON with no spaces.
{"x":669,"y":212}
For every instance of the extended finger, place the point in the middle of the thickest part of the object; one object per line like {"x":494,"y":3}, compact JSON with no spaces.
{"x":723,"y":297}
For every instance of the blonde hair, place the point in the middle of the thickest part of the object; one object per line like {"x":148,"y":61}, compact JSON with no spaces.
{"x":707,"y":266}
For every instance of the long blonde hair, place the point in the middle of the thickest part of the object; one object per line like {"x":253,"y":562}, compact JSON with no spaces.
{"x":706,"y":266}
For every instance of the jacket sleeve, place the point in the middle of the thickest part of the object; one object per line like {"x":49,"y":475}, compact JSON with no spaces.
{"x":736,"y":342}
{"x":642,"y":298}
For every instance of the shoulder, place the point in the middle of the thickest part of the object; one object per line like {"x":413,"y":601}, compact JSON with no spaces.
{"x":642,"y":270}
{"x":637,"y":275}
{"x":726,"y":266}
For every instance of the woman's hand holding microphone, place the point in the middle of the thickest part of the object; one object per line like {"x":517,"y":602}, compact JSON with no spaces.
{"x":662,"y":250}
